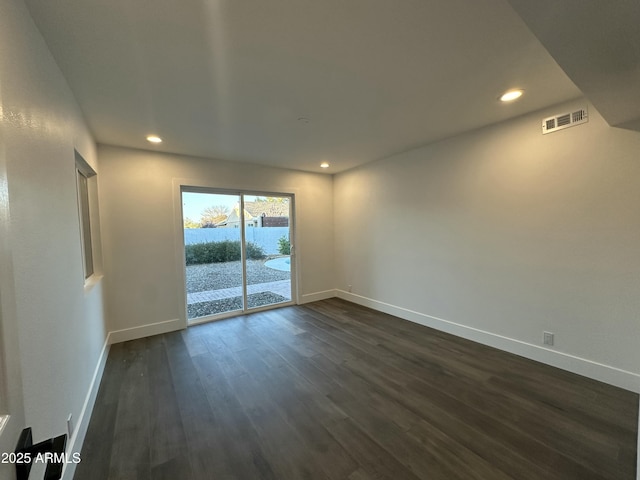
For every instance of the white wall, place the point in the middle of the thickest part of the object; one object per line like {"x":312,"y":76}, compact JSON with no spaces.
{"x":502,"y":233}
{"x":59,"y":327}
{"x":139,"y":229}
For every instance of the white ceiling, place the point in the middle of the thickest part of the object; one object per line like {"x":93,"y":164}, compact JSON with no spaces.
{"x":229,"y":79}
{"x":597,"y":42}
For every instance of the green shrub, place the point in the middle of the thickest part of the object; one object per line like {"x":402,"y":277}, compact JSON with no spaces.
{"x":284,"y":246}
{"x":254,"y":251}
{"x":218,"y":252}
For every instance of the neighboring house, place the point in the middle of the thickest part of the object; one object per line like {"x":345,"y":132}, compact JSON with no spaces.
{"x":233,"y":219}
{"x":269,"y":214}
{"x":215,"y":221}
{"x":267,"y":209}
{"x":258,"y":214}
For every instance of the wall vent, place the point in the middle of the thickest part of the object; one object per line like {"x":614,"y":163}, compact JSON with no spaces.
{"x":564,"y":120}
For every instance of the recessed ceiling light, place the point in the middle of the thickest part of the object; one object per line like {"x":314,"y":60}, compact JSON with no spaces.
{"x":324,"y":165}
{"x":154,"y":139}
{"x":511,"y":95}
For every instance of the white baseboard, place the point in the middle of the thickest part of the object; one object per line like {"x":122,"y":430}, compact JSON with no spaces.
{"x":77,"y":439}
{"x":581,"y":366}
{"x":317,"y":296}
{"x":134,"y":333}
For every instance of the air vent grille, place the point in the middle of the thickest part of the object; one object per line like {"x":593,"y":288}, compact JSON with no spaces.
{"x":564,"y":120}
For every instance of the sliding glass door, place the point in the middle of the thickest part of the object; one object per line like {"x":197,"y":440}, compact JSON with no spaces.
{"x":268,"y":233}
{"x":213,"y":254}
{"x":237,"y":252}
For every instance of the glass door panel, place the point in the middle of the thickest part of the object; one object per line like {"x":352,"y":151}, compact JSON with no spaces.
{"x":213,"y":254}
{"x":268,"y":249}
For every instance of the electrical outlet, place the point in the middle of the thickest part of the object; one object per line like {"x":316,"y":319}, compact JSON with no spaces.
{"x":547,"y":338}
{"x":70,"y":425}
{"x":349,"y":287}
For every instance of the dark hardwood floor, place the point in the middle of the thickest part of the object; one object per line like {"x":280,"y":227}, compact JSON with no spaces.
{"x":332,"y":390}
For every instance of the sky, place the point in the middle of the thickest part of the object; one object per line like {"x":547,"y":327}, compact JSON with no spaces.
{"x":194,"y":203}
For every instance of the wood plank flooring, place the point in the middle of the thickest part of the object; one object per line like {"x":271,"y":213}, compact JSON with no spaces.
{"x":332,"y":390}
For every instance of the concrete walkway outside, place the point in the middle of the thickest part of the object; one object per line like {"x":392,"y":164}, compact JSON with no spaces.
{"x":282,"y":288}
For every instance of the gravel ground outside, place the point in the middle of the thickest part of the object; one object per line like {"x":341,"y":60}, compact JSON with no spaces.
{"x":215,"y":276}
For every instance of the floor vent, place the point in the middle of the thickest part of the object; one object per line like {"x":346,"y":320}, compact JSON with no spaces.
{"x":564,"y":120}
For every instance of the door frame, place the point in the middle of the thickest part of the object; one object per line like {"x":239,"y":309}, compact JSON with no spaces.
{"x":12,"y":417}
{"x":180,"y":185}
